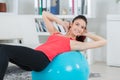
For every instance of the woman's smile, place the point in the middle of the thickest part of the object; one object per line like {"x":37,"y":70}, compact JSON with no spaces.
{"x":76,"y":32}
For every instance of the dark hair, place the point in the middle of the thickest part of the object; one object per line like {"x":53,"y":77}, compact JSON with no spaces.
{"x":80,"y":38}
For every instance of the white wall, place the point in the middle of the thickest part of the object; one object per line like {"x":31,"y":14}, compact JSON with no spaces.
{"x":97,"y":25}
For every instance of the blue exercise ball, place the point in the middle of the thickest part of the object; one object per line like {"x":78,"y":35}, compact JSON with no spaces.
{"x":66,"y":66}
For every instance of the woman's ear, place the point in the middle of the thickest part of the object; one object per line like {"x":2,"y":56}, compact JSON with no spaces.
{"x":70,"y":25}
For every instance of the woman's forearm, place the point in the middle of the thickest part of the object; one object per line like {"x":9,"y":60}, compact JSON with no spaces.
{"x":53,"y":18}
{"x":94,"y":37}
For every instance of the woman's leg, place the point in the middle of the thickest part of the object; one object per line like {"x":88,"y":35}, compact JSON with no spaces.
{"x":27,"y":68}
{"x":24,"y":57}
{"x":3,"y":64}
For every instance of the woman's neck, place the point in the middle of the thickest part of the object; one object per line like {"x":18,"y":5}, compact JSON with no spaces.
{"x":70,"y":35}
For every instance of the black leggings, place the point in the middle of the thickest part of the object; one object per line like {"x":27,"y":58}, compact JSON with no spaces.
{"x":26,"y":58}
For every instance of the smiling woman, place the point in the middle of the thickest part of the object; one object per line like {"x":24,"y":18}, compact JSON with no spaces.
{"x":82,"y":25}
{"x":38,"y":59}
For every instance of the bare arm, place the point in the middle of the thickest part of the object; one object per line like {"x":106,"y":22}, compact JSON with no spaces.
{"x":97,"y":42}
{"x":49,"y":18}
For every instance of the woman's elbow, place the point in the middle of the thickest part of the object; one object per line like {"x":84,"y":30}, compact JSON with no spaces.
{"x":104,"y":42}
{"x":43,"y":13}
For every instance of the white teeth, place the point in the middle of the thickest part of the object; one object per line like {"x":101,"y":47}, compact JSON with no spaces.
{"x":77,"y":32}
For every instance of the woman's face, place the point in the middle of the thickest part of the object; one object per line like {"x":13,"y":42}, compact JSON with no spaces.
{"x":78,"y":27}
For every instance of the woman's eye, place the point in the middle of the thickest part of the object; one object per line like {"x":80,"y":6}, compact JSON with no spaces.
{"x":78,"y":24}
{"x":82,"y":27}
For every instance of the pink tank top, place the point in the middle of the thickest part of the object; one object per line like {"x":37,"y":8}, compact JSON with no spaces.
{"x":55,"y":45}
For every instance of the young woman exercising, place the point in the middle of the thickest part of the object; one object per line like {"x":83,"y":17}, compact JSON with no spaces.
{"x":30,"y":59}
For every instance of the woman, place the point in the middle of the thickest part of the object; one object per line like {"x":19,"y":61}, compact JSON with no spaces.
{"x":29,"y":59}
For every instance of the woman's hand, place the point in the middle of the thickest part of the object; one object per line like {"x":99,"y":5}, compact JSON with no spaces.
{"x":85,"y":32}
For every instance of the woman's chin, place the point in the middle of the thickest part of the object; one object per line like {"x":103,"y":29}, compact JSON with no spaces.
{"x":77,"y":34}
